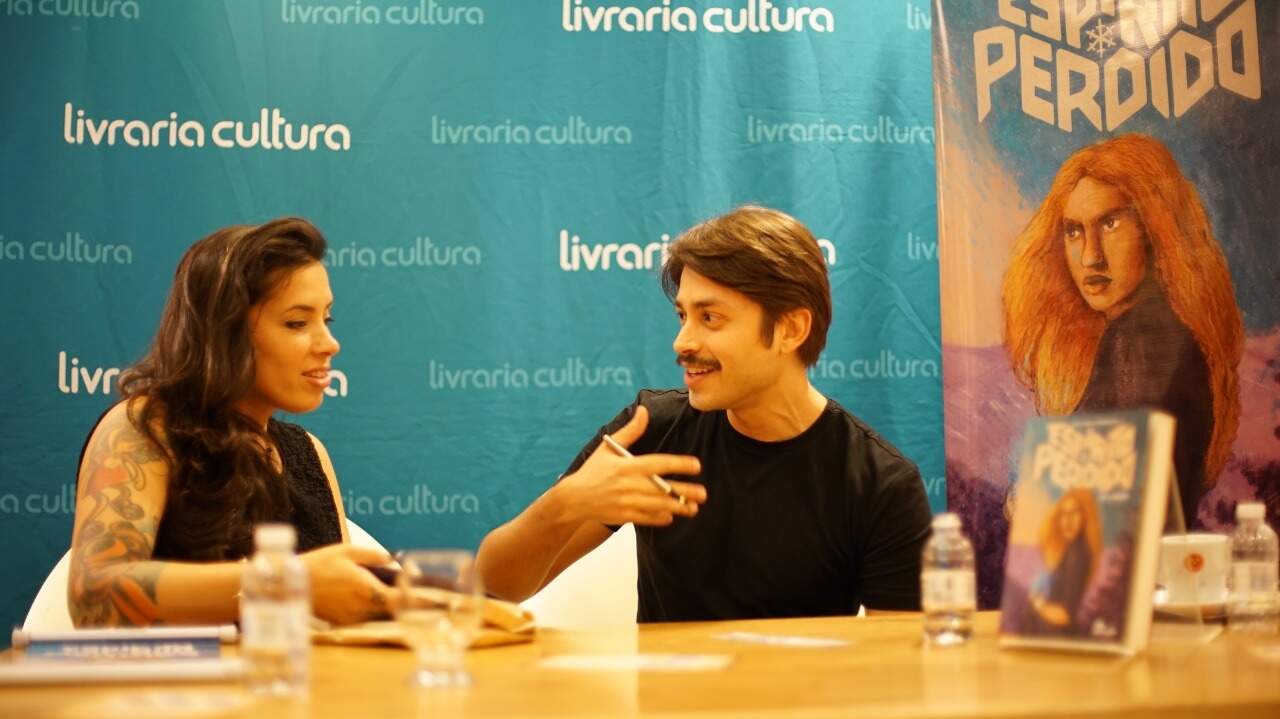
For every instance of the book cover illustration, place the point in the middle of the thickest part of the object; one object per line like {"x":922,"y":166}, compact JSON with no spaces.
{"x":1088,"y":510}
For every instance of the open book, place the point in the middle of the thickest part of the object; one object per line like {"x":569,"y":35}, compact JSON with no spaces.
{"x":504,"y":623}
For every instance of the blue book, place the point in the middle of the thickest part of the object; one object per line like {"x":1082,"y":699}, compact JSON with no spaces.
{"x":176,"y":642}
{"x":148,"y":654}
{"x":1084,"y":540}
{"x":125,"y":649}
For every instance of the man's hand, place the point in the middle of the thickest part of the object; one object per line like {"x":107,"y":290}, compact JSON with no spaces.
{"x":615,"y":490}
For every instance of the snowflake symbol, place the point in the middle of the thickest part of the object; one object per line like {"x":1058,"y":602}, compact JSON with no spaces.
{"x":1101,"y":38}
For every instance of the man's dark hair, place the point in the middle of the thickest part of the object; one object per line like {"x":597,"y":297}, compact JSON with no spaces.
{"x":766,"y":255}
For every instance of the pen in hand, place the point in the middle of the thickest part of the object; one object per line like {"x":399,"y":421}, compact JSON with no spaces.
{"x":658,"y":482}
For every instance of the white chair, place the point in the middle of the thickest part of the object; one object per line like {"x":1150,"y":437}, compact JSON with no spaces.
{"x":49,"y":613}
{"x":595,"y":592}
{"x":360,"y":538}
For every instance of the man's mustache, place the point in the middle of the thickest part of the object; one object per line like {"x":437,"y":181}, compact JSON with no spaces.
{"x":696,"y":363}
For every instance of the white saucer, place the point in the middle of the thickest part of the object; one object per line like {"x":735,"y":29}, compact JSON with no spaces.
{"x":1207,"y":610}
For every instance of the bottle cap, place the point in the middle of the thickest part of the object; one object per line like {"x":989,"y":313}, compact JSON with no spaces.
{"x":946,"y":520}
{"x":1251,"y":510}
{"x":274,"y":536}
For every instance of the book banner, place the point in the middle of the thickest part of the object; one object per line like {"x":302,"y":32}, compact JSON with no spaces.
{"x":1107,"y":239}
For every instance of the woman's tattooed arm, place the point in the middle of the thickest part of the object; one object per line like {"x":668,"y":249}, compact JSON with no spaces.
{"x":121,"y":495}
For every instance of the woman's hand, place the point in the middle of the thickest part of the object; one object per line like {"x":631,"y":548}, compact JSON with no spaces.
{"x":343,"y":591}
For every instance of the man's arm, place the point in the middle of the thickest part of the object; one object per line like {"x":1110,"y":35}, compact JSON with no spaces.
{"x":569,"y":519}
{"x":523,"y":555}
{"x":898,"y":527}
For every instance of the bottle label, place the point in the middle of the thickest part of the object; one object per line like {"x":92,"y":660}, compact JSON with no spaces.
{"x":947,"y":589}
{"x":274,"y":624}
{"x":1254,"y":577}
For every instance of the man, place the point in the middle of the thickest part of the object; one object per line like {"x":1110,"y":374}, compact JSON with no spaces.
{"x":799,"y":509}
{"x":1119,"y":297}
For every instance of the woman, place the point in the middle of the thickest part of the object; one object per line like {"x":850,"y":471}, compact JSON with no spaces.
{"x":174,"y":477}
{"x":1070,"y":543}
{"x":1118,"y":296}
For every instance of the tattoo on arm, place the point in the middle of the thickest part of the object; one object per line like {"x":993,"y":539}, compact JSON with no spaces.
{"x":115,"y":470}
{"x":111,"y":580}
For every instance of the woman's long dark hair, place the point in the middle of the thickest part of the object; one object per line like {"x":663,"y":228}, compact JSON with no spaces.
{"x":221,"y":480}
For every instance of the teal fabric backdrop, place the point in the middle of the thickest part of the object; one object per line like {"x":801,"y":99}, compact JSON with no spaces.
{"x":497,"y":180}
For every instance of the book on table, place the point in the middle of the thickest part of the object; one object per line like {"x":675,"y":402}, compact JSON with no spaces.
{"x":145,"y":654}
{"x":1089,"y":510}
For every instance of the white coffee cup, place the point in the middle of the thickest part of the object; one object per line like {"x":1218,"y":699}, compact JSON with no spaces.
{"x":1194,"y":568}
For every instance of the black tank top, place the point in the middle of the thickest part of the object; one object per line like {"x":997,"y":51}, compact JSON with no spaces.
{"x":314,"y":515}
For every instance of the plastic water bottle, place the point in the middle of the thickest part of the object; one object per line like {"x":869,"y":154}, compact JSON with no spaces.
{"x":947,"y":584}
{"x":1255,"y":562}
{"x":275,"y":614}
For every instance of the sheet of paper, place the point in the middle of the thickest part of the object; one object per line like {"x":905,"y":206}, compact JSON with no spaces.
{"x":638,"y":662}
{"x":782,"y":640}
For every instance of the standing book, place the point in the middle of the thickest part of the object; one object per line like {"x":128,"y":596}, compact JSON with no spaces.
{"x":1084,"y":541}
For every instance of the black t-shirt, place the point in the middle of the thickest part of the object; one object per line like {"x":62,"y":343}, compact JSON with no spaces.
{"x":812,"y":526}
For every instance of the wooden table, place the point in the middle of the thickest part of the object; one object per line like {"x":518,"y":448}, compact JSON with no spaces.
{"x":884,"y":672}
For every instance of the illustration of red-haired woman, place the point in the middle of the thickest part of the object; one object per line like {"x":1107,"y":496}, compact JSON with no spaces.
{"x":1070,"y":544}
